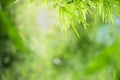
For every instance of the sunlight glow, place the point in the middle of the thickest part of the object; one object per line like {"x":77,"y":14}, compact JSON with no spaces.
{"x":46,"y":19}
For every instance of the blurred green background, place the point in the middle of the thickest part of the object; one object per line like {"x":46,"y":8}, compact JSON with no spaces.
{"x":36,"y":45}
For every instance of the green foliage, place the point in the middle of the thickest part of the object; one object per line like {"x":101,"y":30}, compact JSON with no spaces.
{"x":11,"y":43}
{"x":79,"y":10}
{"x":56,"y":55}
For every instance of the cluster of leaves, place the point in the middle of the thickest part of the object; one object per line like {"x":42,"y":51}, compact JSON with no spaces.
{"x":77,"y":11}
